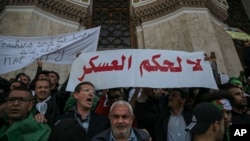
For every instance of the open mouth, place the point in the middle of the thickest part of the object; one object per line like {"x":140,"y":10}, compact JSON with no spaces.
{"x":89,"y":99}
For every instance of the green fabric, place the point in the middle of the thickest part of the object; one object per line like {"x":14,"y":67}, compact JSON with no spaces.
{"x":228,"y":133}
{"x":220,"y":106}
{"x":72,"y":102}
{"x":235,"y":80}
{"x":33,"y":110}
{"x":95,"y":102}
{"x":25,"y":130}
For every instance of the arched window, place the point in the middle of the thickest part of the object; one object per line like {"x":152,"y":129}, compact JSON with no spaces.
{"x":114,"y":18}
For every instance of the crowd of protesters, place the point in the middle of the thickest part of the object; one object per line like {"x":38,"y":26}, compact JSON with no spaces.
{"x":40,"y":110}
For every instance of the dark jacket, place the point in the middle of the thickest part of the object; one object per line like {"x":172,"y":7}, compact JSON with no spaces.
{"x":68,"y":130}
{"x":147,"y":113}
{"x":238,"y":118}
{"x":161,"y":128}
{"x":104,"y":136}
{"x":97,"y":122}
{"x":52,"y":111}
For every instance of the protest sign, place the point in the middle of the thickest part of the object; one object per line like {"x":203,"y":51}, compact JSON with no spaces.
{"x":142,"y":68}
{"x":18,"y":52}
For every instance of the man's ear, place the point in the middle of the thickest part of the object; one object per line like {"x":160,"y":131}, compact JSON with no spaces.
{"x":75,"y":95}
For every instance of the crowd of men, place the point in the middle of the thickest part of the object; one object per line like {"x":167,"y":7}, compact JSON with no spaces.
{"x":40,"y":110}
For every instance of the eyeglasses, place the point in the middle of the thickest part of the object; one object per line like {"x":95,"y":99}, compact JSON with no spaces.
{"x":21,"y":100}
{"x":86,"y":90}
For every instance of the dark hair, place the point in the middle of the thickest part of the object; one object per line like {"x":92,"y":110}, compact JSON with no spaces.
{"x":45,"y":72}
{"x":184,"y":94}
{"x":116,"y":89}
{"x":41,"y":80}
{"x":19,"y":74}
{"x":27,"y":76}
{"x":78,"y":87}
{"x":57,"y":75}
{"x":228,"y":86}
{"x":23,"y":88}
{"x":3,"y":97}
{"x":4,"y":84}
{"x":21,"y":83}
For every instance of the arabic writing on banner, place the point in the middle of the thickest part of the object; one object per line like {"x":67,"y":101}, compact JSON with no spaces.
{"x":18,"y":52}
{"x":142,"y":68}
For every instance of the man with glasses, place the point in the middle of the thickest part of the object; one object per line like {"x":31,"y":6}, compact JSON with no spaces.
{"x":21,"y":124}
{"x":88,"y":120}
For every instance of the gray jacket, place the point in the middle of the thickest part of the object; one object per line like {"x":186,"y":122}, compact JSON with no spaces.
{"x":104,"y":135}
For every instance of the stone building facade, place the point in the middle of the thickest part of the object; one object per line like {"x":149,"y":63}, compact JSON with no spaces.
{"x":187,"y":25}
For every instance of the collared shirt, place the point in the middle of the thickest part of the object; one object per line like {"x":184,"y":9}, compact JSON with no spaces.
{"x":83,"y":122}
{"x":176,"y":129}
{"x":42,"y":106}
{"x":131,"y":138}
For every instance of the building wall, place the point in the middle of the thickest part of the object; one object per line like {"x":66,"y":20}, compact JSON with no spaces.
{"x":187,"y":29}
{"x":191,"y":30}
{"x":33,"y":22}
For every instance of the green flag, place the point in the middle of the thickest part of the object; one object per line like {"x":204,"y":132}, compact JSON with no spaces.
{"x":25,"y":130}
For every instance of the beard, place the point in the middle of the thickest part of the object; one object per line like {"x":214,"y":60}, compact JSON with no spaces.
{"x":121,"y":133}
{"x":240,"y":105}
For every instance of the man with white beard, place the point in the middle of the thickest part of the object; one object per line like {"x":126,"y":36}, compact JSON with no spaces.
{"x":121,"y":118}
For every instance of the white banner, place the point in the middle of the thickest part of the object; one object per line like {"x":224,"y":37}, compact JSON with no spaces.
{"x":18,"y":52}
{"x":142,"y":68}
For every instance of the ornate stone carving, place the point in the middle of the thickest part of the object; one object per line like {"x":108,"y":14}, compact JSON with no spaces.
{"x":237,"y":16}
{"x":161,"y":8}
{"x":59,"y":8}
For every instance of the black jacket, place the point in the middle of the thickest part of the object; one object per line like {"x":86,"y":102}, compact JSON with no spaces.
{"x":97,"y":122}
{"x":104,"y":136}
{"x":147,"y":114}
{"x":161,"y":128}
{"x":68,"y":130}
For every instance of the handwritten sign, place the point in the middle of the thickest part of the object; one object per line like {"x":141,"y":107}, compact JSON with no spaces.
{"x":18,"y":52}
{"x":142,"y":68}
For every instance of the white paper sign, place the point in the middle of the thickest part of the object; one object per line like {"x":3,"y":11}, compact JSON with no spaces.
{"x":18,"y":52}
{"x":142,"y":68}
